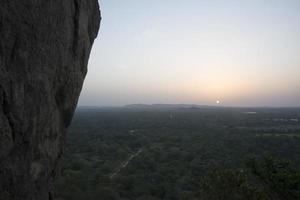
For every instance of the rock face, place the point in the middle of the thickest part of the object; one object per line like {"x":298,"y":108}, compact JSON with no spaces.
{"x":44,"y":51}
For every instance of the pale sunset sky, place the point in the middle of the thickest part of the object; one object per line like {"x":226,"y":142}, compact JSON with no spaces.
{"x":240,"y":52}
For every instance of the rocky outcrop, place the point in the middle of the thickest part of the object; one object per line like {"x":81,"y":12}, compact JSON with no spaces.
{"x":44,"y":51}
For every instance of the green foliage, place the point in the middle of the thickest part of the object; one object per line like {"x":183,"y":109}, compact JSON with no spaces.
{"x":229,"y":185}
{"x":278,"y":175}
{"x":197,"y":154}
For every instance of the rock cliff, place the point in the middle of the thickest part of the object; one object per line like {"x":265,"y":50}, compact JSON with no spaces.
{"x":44,"y":51}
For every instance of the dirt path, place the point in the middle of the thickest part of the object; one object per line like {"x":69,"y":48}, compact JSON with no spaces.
{"x":125,"y":163}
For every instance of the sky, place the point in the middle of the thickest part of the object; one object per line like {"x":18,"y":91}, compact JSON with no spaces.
{"x":237,"y":52}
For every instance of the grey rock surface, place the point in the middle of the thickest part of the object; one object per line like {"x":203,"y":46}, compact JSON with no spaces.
{"x":44,"y":51}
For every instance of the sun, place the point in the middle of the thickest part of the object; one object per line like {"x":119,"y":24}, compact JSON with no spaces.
{"x":218,"y":102}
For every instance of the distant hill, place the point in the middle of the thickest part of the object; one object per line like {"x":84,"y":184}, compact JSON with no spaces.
{"x":157,"y":107}
{"x":165,"y":106}
{"x":87,"y":107}
{"x":145,"y":107}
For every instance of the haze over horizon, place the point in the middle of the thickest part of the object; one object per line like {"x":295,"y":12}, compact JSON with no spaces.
{"x":241,"y":53}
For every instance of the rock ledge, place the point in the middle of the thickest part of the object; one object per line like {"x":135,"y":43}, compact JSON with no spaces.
{"x":44,"y":51}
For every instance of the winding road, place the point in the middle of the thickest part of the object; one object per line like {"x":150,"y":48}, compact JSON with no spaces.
{"x":125,"y":163}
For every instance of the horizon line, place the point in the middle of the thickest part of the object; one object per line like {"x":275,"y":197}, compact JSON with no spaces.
{"x":189,"y":105}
